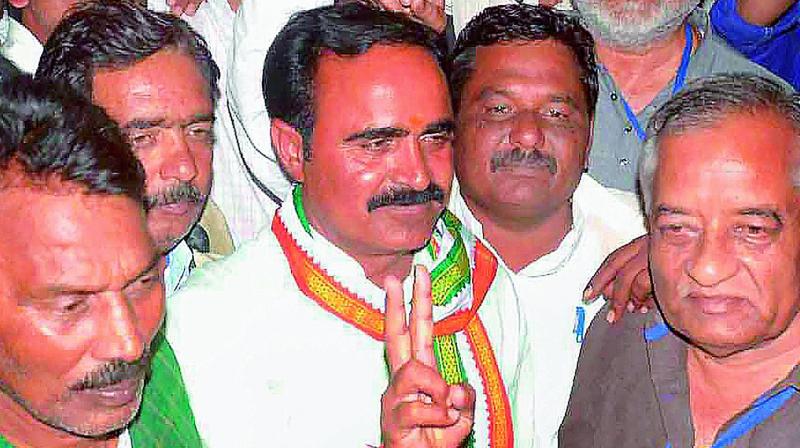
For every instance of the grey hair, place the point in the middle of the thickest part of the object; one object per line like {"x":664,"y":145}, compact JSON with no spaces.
{"x":703,"y":104}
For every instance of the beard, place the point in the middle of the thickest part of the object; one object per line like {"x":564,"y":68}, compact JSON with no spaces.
{"x":632,"y":24}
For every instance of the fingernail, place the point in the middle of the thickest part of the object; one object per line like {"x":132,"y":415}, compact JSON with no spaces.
{"x":610,"y":317}
{"x":644,"y":310}
{"x":630,"y":307}
{"x":453,"y":414}
{"x":587,"y":293}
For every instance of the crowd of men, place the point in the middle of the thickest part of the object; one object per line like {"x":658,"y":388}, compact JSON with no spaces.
{"x":407,"y":228}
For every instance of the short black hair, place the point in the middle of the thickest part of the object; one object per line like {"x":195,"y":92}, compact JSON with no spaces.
{"x":520,"y":22}
{"x":47,"y":132}
{"x":115,"y":35}
{"x":345,"y":29}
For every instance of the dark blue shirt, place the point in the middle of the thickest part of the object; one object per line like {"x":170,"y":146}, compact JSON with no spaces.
{"x":775,"y":47}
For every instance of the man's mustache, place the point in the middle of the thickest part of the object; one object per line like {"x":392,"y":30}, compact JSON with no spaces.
{"x":406,"y":196}
{"x":518,"y":157}
{"x":182,"y":192}
{"x":113,"y":373}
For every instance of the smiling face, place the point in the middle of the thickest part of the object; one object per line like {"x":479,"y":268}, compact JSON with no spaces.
{"x":380,"y":168}
{"x":523,"y":130}
{"x":81,"y":298}
{"x":163,"y":105}
{"x":725,"y":232}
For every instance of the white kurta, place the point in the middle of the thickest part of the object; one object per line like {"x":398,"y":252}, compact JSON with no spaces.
{"x":256,"y":25}
{"x":19,"y":45}
{"x":550,"y":292}
{"x":266,"y":365}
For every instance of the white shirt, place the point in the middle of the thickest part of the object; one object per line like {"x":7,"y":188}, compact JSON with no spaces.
{"x":261,"y":361}
{"x":256,"y":25}
{"x":19,"y":45}
{"x":550,"y":291}
{"x":124,"y":440}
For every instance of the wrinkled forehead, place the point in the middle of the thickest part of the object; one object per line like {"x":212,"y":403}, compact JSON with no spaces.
{"x":92,"y":241}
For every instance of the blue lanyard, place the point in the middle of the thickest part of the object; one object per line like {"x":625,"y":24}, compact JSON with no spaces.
{"x":764,"y":408}
{"x":580,"y":324}
{"x":680,"y":80}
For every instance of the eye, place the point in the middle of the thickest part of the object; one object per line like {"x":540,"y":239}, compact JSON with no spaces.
{"x":676,"y":233}
{"x":71,"y":305}
{"x":377,"y":145}
{"x":498,"y":111}
{"x":557,"y":113}
{"x":754,"y":233}
{"x":142,"y":139}
{"x":439,"y":139}
{"x":201,"y":131}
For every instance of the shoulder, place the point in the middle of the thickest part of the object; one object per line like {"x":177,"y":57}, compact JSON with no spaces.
{"x":615,"y":215}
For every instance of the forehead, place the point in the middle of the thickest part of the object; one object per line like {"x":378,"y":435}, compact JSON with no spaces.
{"x":743,"y":158}
{"x":387,"y":85}
{"x":94,"y":240}
{"x":167,"y":84}
{"x":547,"y":66}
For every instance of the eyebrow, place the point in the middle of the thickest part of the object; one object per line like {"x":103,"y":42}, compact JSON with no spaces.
{"x":377,"y":133}
{"x":666,"y":210}
{"x":764,"y":213}
{"x":148,"y":123}
{"x":446,"y":126}
{"x":153,"y":263}
{"x":58,"y":288}
{"x":557,"y":98}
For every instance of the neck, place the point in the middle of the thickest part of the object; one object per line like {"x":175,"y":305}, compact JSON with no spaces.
{"x":721,"y":387}
{"x":30,"y":22}
{"x":641,"y":73}
{"x":521,"y":241}
{"x":22,"y":430}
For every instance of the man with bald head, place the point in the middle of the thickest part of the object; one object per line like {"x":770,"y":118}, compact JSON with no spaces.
{"x":719,"y":365}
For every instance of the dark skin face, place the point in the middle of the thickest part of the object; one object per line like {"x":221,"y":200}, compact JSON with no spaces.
{"x":71,"y":308}
{"x":164,"y":106}
{"x":523,"y":131}
{"x":383,"y":123}
{"x":725,"y":233}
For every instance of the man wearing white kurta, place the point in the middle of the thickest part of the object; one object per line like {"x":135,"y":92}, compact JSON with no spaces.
{"x":522,"y":137}
{"x":281,"y":343}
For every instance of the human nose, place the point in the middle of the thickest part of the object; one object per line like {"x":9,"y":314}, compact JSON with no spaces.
{"x":411,"y":166}
{"x":713,"y":261}
{"x":120,"y":337}
{"x":179,"y":161}
{"x":526,"y":130}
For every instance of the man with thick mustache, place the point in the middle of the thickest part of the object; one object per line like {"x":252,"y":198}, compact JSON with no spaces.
{"x":155,"y":77}
{"x":647,"y":51}
{"x":282,"y":342}
{"x":523,"y":82}
{"x":81,"y":292}
{"x":719,"y":365}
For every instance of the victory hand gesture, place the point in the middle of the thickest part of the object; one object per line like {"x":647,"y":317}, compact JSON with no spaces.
{"x":419,"y":409}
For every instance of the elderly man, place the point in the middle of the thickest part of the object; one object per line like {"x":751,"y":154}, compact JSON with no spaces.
{"x":155,"y":77}
{"x":718,"y":366}
{"x":524,"y":83}
{"x":361,"y":119}
{"x":648,"y":50}
{"x":82,"y":295}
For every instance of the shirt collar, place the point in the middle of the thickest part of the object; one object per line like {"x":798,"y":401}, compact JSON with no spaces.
{"x":547,"y":264}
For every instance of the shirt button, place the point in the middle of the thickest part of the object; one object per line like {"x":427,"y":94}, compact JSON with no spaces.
{"x":614,"y":96}
{"x":624,"y":162}
{"x":628,"y":129}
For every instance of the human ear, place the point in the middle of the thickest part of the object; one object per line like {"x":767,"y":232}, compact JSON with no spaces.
{"x":288,"y":144}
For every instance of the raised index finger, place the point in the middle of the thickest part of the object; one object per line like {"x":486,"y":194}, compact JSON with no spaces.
{"x":421,"y":324}
{"x":398,"y":340}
